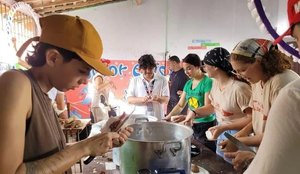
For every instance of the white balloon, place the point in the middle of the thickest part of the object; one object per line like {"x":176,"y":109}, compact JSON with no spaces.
{"x":258,"y":21}
{"x":263,"y":29}
{"x":254,"y":13}
{"x":295,"y":59}
{"x":251,"y":6}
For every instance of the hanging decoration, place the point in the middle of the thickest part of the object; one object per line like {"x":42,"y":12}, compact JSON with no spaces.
{"x":20,"y":6}
{"x":258,"y":13}
{"x":9,"y":54}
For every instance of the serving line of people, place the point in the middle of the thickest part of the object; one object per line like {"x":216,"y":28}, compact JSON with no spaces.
{"x":266,"y":69}
{"x":278,"y":152}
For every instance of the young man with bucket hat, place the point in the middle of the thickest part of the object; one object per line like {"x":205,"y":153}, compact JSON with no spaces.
{"x":31,"y":138}
{"x":278,"y":150}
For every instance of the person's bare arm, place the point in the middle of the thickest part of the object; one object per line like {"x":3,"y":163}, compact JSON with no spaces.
{"x":15,"y":108}
{"x":179,"y":106}
{"x":200,"y":111}
{"x":237,"y":124}
{"x":254,"y":140}
{"x":61,"y":105}
{"x":240,"y":123}
{"x":61,"y":161}
{"x":207,"y":109}
{"x":102,"y":84}
{"x":138,"y":100}
{"x":246,"y":131}
{"x":248,"y":140}
{"x":160,"y":99}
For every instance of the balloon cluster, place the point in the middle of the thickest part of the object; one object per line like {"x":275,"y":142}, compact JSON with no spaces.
{"x":20,"y":6}
{"x":261,"y":18}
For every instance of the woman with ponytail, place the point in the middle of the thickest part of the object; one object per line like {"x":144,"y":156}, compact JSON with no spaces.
{"x":229,"y":96}
{"x":268,"y":70}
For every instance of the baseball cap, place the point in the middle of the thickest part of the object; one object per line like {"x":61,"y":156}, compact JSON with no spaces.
{"x":293,"y":8}
{"x":74,"y":34}
{"x":255,"y":48}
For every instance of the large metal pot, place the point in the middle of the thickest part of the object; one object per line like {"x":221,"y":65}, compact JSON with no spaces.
{"x":135,"y":118}
{"x":139,"y":118}
{"x":157,"y":147}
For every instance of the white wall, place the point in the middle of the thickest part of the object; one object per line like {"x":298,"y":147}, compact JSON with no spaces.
{"x":157,"y":26}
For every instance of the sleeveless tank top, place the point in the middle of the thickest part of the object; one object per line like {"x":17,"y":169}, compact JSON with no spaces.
{"x":44,"y":135}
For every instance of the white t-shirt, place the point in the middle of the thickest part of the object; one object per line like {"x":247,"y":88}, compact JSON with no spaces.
{"x":264,"y":96}
{"x":279,"y":150}
{"x":53,"y":93}
{"x":230,"y":102}
{"x":95,"y":94}
{"x":137,"y":88}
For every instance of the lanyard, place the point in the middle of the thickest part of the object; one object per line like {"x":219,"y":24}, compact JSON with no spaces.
{"x":150,"y":89}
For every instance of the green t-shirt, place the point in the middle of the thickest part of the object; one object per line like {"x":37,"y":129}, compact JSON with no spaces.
{"x":195,"y":97}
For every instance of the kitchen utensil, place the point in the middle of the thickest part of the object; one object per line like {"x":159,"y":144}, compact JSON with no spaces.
{"x":241,"y":146}
{"x":157,"y":146}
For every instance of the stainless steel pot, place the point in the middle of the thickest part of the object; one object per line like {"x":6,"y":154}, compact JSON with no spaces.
{"x":157,"y":147}
{"x":134,"y":118}
{"x":139,"y":118}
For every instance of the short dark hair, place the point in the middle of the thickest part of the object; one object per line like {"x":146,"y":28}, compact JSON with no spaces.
{"x":146,"y":61}
{"x":192,"y":59}
{"x":175,"y":59}
{"x":38,"y":58}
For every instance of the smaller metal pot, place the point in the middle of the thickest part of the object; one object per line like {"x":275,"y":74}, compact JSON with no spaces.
{"x":157,"y":147}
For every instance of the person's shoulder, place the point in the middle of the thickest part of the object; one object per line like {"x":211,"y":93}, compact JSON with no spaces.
{"x":12,"y":80}
{"x":285,"y":74}
{"x":208,"y":79}
{"x":284,"y":78}
{"x":293,"y":87}
{"x":240,"y":85}
{"x":136,"y":80}
{"x":14,"y":76}
{"x":181,"y":71}
{"x":159,"y":77}
{"x":189,"y":82}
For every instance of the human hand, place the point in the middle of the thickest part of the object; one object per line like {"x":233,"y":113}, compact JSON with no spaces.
{"x":227,"y":146}
{"x":146,"y":99}
{"x":189,"y":118}
{"x":155,"y":98}
{"x":177,"y":118}
{"x":241,"y":159}
{"x":124,"y":134}
{"x":216,"y":131}
{"x":179,"y":92}
{"x":240,"y":134}
{"x":100,"y":143}
{"x":167,"y":118}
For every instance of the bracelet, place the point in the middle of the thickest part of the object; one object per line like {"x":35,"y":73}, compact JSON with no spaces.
{"x":194,"y":112}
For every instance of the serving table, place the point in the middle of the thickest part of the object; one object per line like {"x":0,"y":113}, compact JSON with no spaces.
{"x":72,"y":134}
{"x":206,"y":159}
